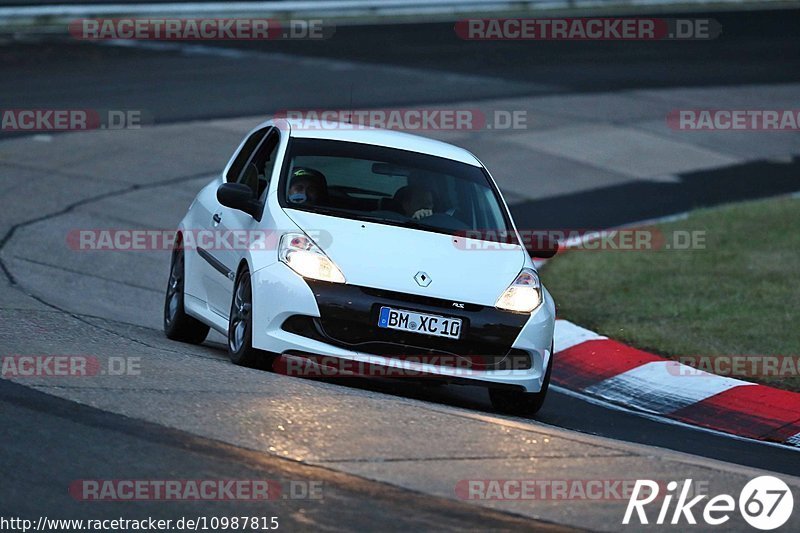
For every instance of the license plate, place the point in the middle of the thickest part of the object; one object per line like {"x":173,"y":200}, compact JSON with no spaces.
{"x":437,"y":326}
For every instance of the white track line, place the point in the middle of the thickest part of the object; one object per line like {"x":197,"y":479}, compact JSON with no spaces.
{"x":568,"y":335}
{"x":793,"y":445}
{"x":661,"y":387}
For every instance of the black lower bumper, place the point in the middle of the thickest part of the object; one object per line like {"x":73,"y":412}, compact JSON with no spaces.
{"x":349,"y":319}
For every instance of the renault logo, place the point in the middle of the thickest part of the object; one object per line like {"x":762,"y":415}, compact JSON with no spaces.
{"x":422,"y":279}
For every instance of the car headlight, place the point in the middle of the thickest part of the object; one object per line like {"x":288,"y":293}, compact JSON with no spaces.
{"x":303,"y":256}
{"x":523,"y":295}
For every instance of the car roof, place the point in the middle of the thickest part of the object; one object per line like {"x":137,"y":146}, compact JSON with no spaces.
{"x":340,"y":131}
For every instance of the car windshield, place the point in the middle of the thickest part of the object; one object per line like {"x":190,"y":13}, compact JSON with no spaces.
{"x":391,"y":186}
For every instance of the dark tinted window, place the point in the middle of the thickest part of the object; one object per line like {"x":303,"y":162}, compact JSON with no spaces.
{"x":390,"y":186}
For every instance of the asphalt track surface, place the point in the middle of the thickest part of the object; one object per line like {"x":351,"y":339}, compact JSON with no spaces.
{"x":755,"y":47}
{"x":79,"y":442}
{"x":58,"y":441}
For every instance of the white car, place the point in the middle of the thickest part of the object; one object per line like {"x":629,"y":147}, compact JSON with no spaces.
{"x":364,"y":246}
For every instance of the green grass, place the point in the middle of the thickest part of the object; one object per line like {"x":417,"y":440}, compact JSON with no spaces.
{"x":739,"y":295}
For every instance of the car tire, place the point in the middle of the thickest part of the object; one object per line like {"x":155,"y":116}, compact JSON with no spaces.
{"x":240,"y":326}
{"x":179,"y":326}
{"x":521,"y":403}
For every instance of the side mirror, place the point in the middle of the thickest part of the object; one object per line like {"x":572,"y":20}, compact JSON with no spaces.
{"x":544,"y":249}
{"x":238,"y":196}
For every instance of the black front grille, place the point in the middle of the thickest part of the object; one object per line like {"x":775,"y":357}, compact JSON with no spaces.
{"x":424,"y":300}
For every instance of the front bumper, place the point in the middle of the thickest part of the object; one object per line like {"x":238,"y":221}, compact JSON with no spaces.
{"x":301,"y":317}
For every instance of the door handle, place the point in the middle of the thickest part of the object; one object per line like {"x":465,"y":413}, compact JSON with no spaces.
{"x":217,"y":218}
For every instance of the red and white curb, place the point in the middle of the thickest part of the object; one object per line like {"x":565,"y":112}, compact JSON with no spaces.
{"x":601,"y":368}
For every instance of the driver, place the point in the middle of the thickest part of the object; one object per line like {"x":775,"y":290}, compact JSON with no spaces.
{"x":307,"y":187}
{"x":416,"y":201}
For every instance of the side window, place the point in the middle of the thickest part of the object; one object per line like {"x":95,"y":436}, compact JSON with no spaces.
{"x":239,"y":164}
{"x":264,"y":160}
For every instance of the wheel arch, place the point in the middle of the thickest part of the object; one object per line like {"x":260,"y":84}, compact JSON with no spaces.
{"x":244,"y":264}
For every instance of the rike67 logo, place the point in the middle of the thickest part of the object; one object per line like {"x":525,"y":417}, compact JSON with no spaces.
{"x":765,"y":503}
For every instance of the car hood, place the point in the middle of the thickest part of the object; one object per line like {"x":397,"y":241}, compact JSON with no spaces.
{"x":389,"y":257}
